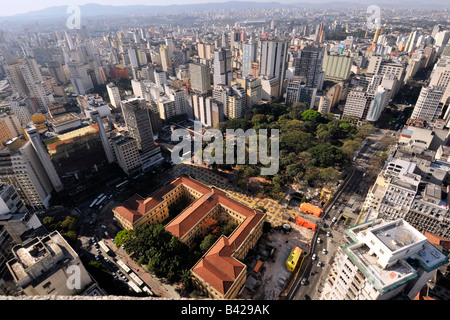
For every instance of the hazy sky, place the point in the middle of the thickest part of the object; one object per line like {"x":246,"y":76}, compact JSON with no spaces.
{"x":12,"y":7}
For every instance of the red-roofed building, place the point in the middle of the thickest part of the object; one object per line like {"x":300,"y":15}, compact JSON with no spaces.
{"x":219,"y":273}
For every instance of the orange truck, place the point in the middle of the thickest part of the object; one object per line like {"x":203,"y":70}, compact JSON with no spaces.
{"x":309,"y":208}
{"x":305,"y":223}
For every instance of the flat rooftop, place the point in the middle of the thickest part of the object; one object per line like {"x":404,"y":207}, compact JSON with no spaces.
{"x":397,"y":236}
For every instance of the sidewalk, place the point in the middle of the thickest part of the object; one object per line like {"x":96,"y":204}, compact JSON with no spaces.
{"x":154,"y":283}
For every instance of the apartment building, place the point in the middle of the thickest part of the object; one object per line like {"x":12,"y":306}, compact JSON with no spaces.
{"x":219,"y":273}
{"x":382,"y":260}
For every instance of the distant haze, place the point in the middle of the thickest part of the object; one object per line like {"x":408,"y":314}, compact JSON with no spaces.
{"x":14,"y":7}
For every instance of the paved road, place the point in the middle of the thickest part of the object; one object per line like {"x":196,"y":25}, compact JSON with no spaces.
{"x":359,"y":181}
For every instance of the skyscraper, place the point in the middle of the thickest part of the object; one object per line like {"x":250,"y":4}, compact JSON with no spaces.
{"x":137,"y":119}
{"x":308,"y":66}
{"x":44,"y":158}
{"x":200,"y":77}
{"x":249,"y":55}
{"x":273,"y":59}
{"x":428,"y":106}
{"x":222,"y":67}
{"x":114,"y":94}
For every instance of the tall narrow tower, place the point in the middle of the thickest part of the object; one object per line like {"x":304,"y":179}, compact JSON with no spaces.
{"x":105,"y":142}
{"x":43,"y":156}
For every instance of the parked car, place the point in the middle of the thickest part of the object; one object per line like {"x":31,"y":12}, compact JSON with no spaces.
{"x":314,"y":256}
{"x":303,"y":282}
{"x":319,"y":264}
{"x":324,"y":251}
{"x":318,"y":240}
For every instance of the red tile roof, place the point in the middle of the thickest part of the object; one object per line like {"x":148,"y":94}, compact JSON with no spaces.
{"x":217,"y":267}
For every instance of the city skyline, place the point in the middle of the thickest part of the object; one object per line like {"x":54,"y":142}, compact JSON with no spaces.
{"x":29,"y":6}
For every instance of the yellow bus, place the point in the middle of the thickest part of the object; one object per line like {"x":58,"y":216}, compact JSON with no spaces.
{"x":293,"y":258}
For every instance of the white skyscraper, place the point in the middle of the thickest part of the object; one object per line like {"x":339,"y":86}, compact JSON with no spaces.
{"x":114,"y":94}
{"x":272,"y":59}
{"x":428,"y":106}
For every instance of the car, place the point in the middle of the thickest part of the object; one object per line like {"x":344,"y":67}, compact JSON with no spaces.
{"x":319,"y":264}
{"x":334,"y":219}
{"x":96,"y":257}
{"x":303,"y":282}
{"x":324,"y":251}
{"x":116,"y":277}
{"x":328,"y":234}
{"x":107,"y":234}
{"x":314,"y":256}
{"x":318,"y":240}
{"x":97,"y":245}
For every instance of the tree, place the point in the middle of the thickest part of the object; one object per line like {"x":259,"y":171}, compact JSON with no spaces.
{"x":327,"y":155}
{"x":122,"y":237}
{"x":311,"y":115}
{"x":207,"y":242}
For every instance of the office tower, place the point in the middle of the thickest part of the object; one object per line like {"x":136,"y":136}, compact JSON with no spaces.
{"x":81,"y":82}
{"x":69,"y":41}
{"x":217,"y":115}
{"x":166,"y":108}
{"x":138,"y":88}
{"x":178,"y":96}
{"x":324,"y":105}
{"x":337,"y":67}
{"x":249,"y":55}
{"x":132,"y":55}
{"x":222,"y":67}
{"x":127,"y":154}
{"x":308,"y":66}
{"x":200,"y":77}
{"x":428,"y":106}
{"x":221,"y":94}
{"x":440,"y":76}
{"x":113,"y":94}
{"x":412,"y":40}
{"x":39,"y":268}
{"x":21,"y":168}
{"x":225,"y":43}
{"x":21,"y":111}
{"x":105,"y":142}
{"x":296,"y":91}
{"x":41,"y":151}
{"x":170,"y":45}
{"x":320,"y":33}
{"x":137,"y":119}
{"x":273,"y":59}
{"x":166,"y":59}
{"x":9,"y":128}
{"x":382,"y":260}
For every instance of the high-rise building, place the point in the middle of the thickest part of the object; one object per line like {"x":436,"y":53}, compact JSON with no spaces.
{"x":382,"y":260}
{"x":126,"y":154}
{"x":377,"y":34}
{"x":336,"y":67}
{"x":9,"y":128}
{"x":81,"y":82}
{"x":137,"y":119}
{"x":273,"y":59}
{"x":222,"y":67}
{"x":200,"y":78}
{"x":249,"y":55}
{"x":428,"y":106}
{"x":166,"y":58}
{"x":21,"y":168}
{"x":113,"y":94}
{"x":308,"y":66}
{"x":296,"y":91}
{"x":41,"y":151}
{"x":103,"y":137}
